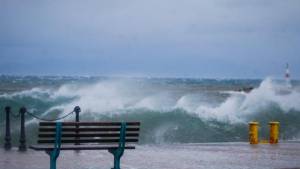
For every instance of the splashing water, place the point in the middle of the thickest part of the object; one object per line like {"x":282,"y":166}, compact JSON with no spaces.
{"x":171,"y":110}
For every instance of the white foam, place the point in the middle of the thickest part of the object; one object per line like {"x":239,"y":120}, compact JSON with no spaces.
{"x":117,"y":96}
{"x":100,"y":97}
{"x":36,"y":93}
{"x":238,"y":106}
{"x":188,"y":103}
{"x":157,"y":102}
{"x":113,"y":96}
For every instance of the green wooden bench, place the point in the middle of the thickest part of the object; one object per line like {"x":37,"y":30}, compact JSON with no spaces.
{"x":112,"y":136}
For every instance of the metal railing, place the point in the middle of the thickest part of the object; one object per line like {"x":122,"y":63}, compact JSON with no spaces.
{"x":22,"y":112}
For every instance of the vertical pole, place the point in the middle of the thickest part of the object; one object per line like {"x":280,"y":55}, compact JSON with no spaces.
{"x":253,"y":132}
{"x":7,"y":144}
{"x":274,"y":132}
{"x":22,"y":146}
{"x":77,"y":110}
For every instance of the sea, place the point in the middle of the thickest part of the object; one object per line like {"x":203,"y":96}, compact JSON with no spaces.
{"x":171,"y":110}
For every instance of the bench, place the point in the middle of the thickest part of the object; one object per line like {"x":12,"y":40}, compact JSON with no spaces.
{"x":112,"y":136}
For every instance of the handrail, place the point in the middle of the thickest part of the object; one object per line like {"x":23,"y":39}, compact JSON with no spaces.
{"x":21,"y":114}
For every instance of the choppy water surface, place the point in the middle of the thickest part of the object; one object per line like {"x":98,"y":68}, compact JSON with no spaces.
{"x":170,"y":110}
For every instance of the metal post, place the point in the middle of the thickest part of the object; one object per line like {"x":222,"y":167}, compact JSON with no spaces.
{"x":7,"y":144}
{"x":253,"y":132}
{"x":22,"y":146}
{"x":77,"y":110}
{"x":274,"y":132}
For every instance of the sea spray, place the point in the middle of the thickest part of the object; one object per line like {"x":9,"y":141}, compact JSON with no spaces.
{"x":170,"y":110}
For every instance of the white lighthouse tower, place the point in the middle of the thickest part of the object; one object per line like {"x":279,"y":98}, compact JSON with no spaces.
{"x":288,"y":76}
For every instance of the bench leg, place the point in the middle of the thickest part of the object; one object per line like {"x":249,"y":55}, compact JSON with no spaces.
{"x":117,"y":157}
{"x":53,"y":159}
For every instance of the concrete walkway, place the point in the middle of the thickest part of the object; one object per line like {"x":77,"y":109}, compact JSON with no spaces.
{"x":175,"y":156}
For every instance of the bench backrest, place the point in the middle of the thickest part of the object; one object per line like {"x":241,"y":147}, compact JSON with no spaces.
{"x":88,"y":132}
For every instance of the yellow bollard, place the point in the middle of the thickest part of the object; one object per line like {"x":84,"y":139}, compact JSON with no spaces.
{"x":274,"y":132}
{"x":253,"y":132}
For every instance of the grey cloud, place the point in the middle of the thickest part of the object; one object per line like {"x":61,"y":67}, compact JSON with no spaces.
{"x":120,"y":35}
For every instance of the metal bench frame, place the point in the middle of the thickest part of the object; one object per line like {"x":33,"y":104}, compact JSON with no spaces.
{"x":54,"y":150}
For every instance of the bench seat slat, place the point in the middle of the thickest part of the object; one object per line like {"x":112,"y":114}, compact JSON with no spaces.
{"x":88,"y":141}
{"x":52,"y":135}
{"x":86,"y":129}
{"x":90,"y":123}
{"x":78,"y":147}
{"x":87,"y":135}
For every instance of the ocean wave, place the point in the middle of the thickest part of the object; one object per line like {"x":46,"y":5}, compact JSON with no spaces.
{"x":113,"y":96}
{"x":176,"y":113}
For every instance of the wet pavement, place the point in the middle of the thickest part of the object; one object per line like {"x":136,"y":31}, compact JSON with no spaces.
{"x":174,"y":156}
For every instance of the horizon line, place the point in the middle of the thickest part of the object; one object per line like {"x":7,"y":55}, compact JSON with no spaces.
{"x":146,"y":77}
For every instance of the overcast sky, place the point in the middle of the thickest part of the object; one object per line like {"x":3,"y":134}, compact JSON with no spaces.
{"x":173,"y":38}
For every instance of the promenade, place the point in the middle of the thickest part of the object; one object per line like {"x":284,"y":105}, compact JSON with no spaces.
{"x":175,"y":156}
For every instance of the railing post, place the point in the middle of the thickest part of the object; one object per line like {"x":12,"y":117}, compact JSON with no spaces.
{"x":7,"y":144}
{"x":77,"y":110}
{"x":22,"y":146}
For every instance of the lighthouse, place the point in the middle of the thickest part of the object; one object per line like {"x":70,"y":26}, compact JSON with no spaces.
{"x":288,"y":76}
